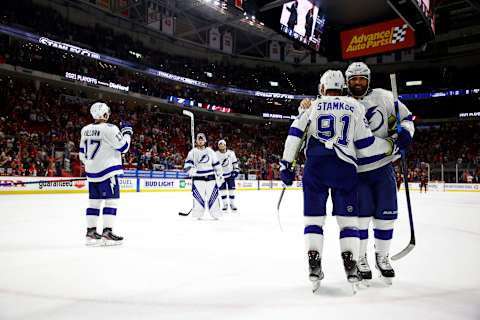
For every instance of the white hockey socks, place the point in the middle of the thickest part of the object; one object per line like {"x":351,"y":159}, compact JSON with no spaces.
{"x":349,"y":235}
{"x":363,"y":225}
{"x":109,"y":213}
{"x":383,"y":233}
{"x":93,"y":212}
{"x":313,"y":233}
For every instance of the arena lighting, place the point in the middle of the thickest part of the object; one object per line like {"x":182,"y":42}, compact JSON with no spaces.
{"x":18,"y":33}
{"x":273,"y":83}
{"x":413,"y":83}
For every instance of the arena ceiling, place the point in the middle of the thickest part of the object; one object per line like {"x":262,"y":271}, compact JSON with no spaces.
{"x":194,"y":18}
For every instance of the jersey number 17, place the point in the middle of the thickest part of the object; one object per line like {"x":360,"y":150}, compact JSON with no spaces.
{"x":94,"y":149}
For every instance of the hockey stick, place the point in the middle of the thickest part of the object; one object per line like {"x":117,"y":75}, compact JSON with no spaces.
{"x":192,"y":132}
{"x":294,"y":165}
{"x":403,"y":165}
{"x":192,"y":125}
{"x":12,"y":184}
{"x":185,"y":213}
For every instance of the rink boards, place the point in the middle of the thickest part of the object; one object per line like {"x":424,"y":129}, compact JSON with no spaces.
{"x":44,"y":185}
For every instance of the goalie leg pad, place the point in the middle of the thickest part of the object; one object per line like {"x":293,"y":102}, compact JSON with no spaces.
{"x":198,"y":192}
{"x":212,"y":194}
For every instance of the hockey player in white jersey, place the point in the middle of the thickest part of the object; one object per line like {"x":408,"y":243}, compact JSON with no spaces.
{"x":229,"y":163}
{"x":336,"y":132}
{"x":206,"y":172}
{"x":101,"y":148}
{"x":377,"y":185}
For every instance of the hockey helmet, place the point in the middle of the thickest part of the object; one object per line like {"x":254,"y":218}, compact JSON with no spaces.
{"x":357,"y":69}
{"x":331,"y":80}
{"x":100,"y":111}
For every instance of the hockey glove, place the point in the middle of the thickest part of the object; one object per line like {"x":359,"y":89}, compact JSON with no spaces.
{"x":126,"y":128}
{"x":192,"y":172}
{"x":286,"y":174}
{"x":404,"y":139}
{"x":234,"y":174}
{"x":220,"y":181}
{"x":394,"y":147}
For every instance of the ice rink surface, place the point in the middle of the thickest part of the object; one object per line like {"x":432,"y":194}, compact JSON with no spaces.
{"x":241,"y":267}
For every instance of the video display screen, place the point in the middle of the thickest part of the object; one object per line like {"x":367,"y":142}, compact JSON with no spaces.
{"x":304,"y":21}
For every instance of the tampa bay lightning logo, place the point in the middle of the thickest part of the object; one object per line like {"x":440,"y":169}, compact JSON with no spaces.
{"x":375,"y":118}
{"x":204,"y":159}
{"x":226,"y":162}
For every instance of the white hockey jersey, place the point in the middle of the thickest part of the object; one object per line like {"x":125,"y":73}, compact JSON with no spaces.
{"x":101,"y":148}
{"x":381,"y":117}
{"x":338,"y":123}
{"x":204,"y":161}
{"x":228,"y":161}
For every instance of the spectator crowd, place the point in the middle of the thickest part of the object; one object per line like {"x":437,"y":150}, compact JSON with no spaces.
{"x":40,"y":131}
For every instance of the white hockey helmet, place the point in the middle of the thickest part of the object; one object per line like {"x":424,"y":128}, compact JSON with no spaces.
{"x":201,"y":136}
{"x":358,"y":69}
{"x":331,"y":80}
{"x":100,"y":111}
{"x":222,"y":142}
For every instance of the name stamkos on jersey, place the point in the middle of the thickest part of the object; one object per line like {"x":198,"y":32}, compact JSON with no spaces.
{"x":334,"y":105}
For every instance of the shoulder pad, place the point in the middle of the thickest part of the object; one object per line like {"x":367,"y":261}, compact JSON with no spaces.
{"x":381,"y":92}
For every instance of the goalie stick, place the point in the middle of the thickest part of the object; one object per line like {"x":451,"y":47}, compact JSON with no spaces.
{"x":192,"y":133}
{"x":403,"y":166}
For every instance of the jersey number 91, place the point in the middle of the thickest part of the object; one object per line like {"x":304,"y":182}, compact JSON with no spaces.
{"x":327,"y":126}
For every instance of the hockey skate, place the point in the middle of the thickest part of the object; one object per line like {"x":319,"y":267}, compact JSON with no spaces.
{"x":109,"y":238}
{"x":351,"y":270}
{"x":364,"y":270}
{"x":224,"y":208}
{"x":382,"y":263}
{"x":92,"y":237}
{"x":315,"y":270}
{"x":233,"y":207}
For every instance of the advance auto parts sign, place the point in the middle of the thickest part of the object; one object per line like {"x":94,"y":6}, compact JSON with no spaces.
{"x":377,"y":38}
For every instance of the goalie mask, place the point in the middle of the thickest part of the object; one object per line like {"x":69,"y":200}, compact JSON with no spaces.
{"x":331,"y":80}
{"x":100,"y":111}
